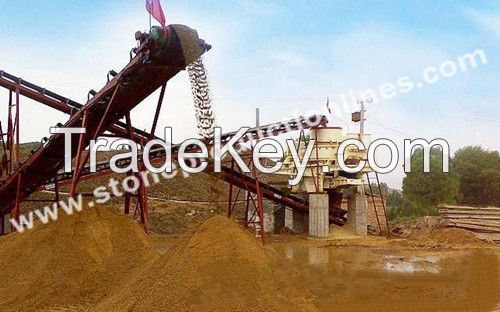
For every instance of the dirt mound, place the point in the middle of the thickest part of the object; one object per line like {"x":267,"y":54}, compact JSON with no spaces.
{"x":77,"y":259}
{"x":455,"y":236}
{"x":448,"y":237}
{"x":218,"y":267}
{"x":420,"y":233}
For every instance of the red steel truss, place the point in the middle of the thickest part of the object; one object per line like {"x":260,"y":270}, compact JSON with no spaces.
{"x":148,"y":70}
{"x":101,"y":115}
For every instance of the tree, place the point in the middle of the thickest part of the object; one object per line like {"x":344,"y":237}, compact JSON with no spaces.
{"x":422,"y":192}
{"x":383,"y":186}
{"x":394,"y":199}
{"x":479,"y":175}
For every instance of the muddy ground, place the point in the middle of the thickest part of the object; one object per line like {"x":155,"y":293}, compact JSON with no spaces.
{"x":98,"y":260}
{"x":374,"y":274}
{"x":349,"y":273}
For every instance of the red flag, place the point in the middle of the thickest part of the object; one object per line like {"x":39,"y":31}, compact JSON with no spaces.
{"x":154,"y":8}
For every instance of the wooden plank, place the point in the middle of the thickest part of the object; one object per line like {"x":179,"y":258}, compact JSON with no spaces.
{"x":469,"y":207}
{"x":492,"y":211}
{"x":476,"y":222}
{"x":483,"y":212}
{"x":474,"y":227}
{"x":469,"y":216}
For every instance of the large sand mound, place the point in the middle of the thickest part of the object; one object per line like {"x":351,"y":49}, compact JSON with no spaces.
{"x":77,"y":259}
{"x":218,"y":267}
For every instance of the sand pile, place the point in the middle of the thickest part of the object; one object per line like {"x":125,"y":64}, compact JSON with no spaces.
{"x":77,"y":259}
{"x":218,"y":267}
{"x":455,"y":236}
{"x":451,"y":237}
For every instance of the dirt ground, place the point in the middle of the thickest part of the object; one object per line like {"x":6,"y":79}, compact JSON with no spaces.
{"x":376,"y":274}
{"x":99,"y":261}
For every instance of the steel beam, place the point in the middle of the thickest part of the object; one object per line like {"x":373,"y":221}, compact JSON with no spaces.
{"x":58,"y":102}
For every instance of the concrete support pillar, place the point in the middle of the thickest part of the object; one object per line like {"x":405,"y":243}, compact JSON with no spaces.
{"x":356,"y":214}
{"x":296,"y":221}
{"x":269,"y":217}
{"x":279,"y":218}
{"x":319,"y":219}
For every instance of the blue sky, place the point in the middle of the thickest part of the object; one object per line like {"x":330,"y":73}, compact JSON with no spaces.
{"x":281,"y":56}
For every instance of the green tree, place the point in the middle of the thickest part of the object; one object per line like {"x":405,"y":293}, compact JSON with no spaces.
{"x":383,"y":186}
{"x":479,"y":175}
{"x":395,"y":204}
{"x":394,"y":199}
{"x":422,"y":192}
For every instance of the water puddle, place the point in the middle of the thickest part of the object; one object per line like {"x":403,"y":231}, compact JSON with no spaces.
{"x":399,"y":264}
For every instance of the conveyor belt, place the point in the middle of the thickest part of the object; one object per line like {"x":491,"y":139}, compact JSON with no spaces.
{"x":141,"y":77}
{"x":54,"y":100}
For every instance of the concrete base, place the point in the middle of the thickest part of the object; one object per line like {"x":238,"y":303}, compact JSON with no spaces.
{"x":319,"y":223}
{"x":357,"y":220}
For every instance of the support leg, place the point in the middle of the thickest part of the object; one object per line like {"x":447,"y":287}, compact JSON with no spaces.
{"x":10,"y":137}
{"x":319,"y":217}
{"x":158,"y":110}
{"x":78,"y":164}
{"x":17,"y":205}
{"x":247,"y":208}
{"x":230,"y":196}
{"x":127,"y":204}
{"x":18,"y":157}
{"x":2,"y":224}
{"x":143,"y":202}
{"x":260,"y":205}
{"x":356,"y":214}
{"x":57,"y":196}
